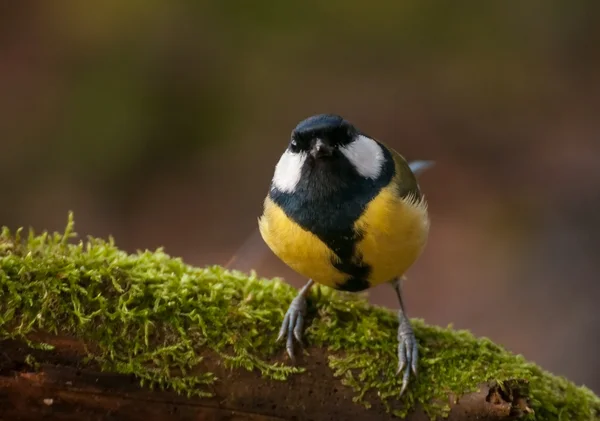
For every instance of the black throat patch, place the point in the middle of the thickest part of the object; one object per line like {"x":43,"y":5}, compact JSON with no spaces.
{"x":329,"y":198}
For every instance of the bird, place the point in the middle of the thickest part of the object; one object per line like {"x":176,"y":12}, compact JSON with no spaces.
{"x":345,"y":211}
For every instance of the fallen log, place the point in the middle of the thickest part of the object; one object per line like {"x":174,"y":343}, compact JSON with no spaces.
{"x":90,"y":332}
{"x":60,"y":388}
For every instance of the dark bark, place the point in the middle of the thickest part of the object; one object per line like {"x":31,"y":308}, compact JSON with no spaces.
{"x":61,"y":388}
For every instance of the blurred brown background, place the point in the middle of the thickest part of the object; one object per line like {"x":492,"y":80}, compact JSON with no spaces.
{"x":160,"y":123}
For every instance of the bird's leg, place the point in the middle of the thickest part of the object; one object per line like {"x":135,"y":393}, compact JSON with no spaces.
{"x":293,"y":321}
{"x":408,"y":356}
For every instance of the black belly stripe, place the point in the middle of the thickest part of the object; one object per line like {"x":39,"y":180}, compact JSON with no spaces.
{"x":329,"y":198}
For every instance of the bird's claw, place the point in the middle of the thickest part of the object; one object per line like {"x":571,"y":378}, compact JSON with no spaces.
{"x":408,"y":354}
{"x":292,"y":325}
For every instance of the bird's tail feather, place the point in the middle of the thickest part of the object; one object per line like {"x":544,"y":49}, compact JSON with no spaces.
{"x":417,"y":167}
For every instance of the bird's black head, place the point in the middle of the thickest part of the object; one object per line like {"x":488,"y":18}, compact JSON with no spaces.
{"x":320,"y":135}
{"x":326,"y":153}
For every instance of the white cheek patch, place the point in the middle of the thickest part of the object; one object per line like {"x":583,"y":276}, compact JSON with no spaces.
{"x":288,"y":171}
{"x":365,"y":155}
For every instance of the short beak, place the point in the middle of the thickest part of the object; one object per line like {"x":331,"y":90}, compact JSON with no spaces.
{"x":320,"y":149}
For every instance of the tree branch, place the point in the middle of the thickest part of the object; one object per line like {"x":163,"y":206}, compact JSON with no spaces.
{"x":86,"y":329}
{"x":61,"y":386}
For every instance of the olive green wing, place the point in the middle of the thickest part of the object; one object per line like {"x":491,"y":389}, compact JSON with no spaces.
{"x":406,"y":174}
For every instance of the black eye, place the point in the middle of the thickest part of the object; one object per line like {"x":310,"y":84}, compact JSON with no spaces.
{"x":294,"y":145}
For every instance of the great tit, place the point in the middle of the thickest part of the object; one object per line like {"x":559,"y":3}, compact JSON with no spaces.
{"x":345,"y":211}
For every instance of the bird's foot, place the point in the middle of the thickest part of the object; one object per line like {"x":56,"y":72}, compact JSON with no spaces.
{"x":408,"y":354}
{"x":292,"y":325}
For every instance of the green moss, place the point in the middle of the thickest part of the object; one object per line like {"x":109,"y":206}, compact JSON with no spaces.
{"x":151,"y":315}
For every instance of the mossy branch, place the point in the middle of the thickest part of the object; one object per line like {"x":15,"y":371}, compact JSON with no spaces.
{"x":206,"y":337}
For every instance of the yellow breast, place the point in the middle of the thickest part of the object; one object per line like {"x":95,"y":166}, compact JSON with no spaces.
{"x":300,"y":249}
{"x":395,"y":233}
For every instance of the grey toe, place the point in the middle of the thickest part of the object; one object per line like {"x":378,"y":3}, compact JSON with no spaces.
{"x":408,"y":356}
{"x":292,"y":324}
